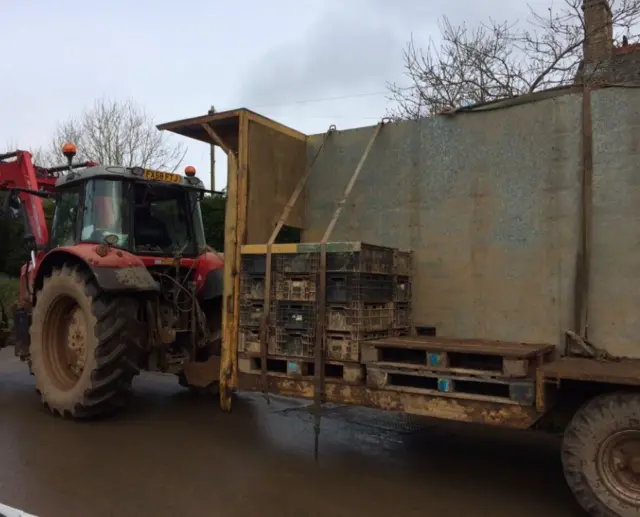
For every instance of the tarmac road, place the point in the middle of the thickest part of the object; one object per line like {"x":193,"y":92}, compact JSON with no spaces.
{"x":176,"y":454}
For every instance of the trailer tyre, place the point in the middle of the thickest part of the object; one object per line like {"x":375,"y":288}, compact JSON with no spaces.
{"x":84,"y":345}
{"x":601,"y":455}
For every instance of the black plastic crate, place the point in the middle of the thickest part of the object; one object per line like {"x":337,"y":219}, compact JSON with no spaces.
{"x":297,"y":262}
{"x":296,"y":287}
{"x":345,"y":346}
{"x":402,"y":263}
{"x":359,"y":287}
{"x":401,"y":315}
{"x":256,"y":264}
{"x":293,"y":315}
{"x":370,"y":259}
{"x":294,"y":343}
{"x":401,"y":289}
{"x":358,"y":317}
{"x":249,"y":340}
{"x":252,"y":286}
{"x":251,"y":312}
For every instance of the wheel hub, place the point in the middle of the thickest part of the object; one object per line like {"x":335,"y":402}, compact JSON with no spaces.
{"x":76,"y":343}
{"x":619,"y":464}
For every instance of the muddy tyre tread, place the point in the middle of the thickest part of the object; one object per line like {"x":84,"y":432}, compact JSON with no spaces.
{"x":589,"y":426}
{"x":115,"y":353}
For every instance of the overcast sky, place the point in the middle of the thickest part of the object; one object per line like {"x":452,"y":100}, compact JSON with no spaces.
{"x":176,"y":58}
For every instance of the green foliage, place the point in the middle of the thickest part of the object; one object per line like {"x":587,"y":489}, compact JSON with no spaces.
{"x":12,"y":250}
{"x":13,"y":253}
{"x":213,"y":212}
{"x":9,"y":292}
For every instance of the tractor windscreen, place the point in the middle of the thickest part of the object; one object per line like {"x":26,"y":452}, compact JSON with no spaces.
{"x":106,"y":212}
{"x":167,"y":220}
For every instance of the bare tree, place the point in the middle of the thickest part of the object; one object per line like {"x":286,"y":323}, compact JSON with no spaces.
{"x":499,"y":60}
{"x":118,"y":133}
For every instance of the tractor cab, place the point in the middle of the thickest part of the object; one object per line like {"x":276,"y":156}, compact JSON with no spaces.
{"x":142,"y":211}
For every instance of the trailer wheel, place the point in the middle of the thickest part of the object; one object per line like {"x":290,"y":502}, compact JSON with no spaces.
{"x":601,"y":455}
{"x":84,"y":345}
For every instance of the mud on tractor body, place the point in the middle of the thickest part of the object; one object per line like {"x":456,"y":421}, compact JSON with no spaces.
{"x":123,"y":282}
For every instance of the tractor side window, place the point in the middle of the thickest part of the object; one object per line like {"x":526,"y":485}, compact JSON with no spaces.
{"x":64,"y":218}
{"x":105,"y":212}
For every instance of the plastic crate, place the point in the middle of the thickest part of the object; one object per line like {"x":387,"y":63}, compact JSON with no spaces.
{"x":358,"y":287}
{"x":297,"y":262}
{"x":256,"y":264}
{"x":345,"y":346}
{"x":402,"y":263}
{"x":296,"y":287}
{"x":249,"y":340}
{"x":293,"y":315}
{"x":358,"y":317}
{"x":252,"y":287}
{"x":251,"y":313}
{"x":294,"y":343}
{"x":401,"y":289}
{"x":370,"y":259}
{"x":401,"y":315}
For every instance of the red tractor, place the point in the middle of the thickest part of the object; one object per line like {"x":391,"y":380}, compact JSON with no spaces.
{"x":123,"y":281}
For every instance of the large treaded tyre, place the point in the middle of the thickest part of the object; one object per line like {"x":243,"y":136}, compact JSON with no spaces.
{"x":601,"y":455}
{"x":84,"y":345}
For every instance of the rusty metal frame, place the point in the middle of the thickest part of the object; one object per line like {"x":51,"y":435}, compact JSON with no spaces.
{"x":264,"y":327}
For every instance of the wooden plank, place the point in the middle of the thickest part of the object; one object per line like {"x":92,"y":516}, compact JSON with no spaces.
{"x":624,"y":371}
{"x":298,"y":190}
{"x":337,"y":371}
{"x":473,"y":346}
{"x":277,"y":126}
{"x":230,"y":294}
{"x":380,"y":378}
{"x":306,"y":247}
{"x":241,"y":230}
{"x":277,"y":163}
{"x":215,"y":138}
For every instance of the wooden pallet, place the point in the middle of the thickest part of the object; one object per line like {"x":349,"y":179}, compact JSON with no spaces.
{"x":458,"y":356}
{"x":419,"y":380}
{"x":295,"y":367}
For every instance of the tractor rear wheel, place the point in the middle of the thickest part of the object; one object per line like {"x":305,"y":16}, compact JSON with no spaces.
{"x":84,"y":345}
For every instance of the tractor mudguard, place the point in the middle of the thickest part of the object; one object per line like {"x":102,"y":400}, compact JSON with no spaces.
{"x":212,"y":287}
{"x":124,"y":279}
{"x":209,"y":276}
{"x":113,"y":269}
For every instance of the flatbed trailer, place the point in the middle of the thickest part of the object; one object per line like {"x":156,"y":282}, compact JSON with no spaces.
{"x":525,"y":248}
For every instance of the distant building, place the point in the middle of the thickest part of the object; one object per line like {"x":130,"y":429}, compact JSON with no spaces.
{"x":602,"y":62}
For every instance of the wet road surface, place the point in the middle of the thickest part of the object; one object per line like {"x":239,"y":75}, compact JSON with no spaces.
{"x":173,"y":454}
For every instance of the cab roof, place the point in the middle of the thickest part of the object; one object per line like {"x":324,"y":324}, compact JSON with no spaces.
{"x":76,"y":176}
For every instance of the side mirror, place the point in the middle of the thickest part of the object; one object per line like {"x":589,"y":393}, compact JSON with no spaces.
{"x":12,"y":204}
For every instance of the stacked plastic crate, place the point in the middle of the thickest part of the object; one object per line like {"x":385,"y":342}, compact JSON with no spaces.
{"x":401,"y":305}
{"x":252,"y":302}
{"x":359,"y":297}
{"x":368,"y":296}
{"x":294,"y":309}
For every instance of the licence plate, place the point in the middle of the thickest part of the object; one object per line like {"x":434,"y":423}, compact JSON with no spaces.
{"x":162,"y":176}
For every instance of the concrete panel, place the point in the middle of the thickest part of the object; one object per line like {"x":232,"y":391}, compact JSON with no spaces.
{"x":615,"y":290}
{"x":487,"y":201}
